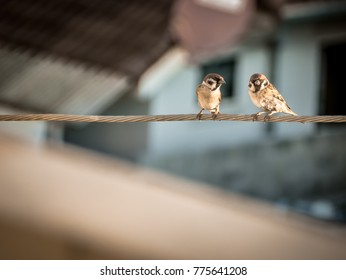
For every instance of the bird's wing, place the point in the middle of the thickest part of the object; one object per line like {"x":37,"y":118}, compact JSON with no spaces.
{"x":280,"y":104}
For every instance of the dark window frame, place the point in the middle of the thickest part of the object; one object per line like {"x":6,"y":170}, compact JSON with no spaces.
{"x":227,"y":69}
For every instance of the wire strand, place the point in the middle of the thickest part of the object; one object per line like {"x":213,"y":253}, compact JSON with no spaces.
{"x":167,"y":118}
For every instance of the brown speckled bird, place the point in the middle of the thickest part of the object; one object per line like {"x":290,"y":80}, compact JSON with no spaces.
{"x":209,"y":94}
{"x":266,"y":97}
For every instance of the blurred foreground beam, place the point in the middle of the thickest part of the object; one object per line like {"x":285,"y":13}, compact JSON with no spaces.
{"x":167,"y":118}
{"x":63,"y":203}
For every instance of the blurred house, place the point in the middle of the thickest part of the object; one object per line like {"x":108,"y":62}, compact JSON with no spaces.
{"x":298,"y":45}
{"x":124,"y":58}
{"x":83,"y":57}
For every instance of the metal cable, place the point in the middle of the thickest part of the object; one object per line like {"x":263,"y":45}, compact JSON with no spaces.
{"x":167,"y":118}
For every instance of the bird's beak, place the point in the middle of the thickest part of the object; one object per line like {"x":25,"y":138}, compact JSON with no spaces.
{"x":222,"y":82}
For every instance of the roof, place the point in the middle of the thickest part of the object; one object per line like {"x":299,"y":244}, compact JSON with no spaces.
{"x":122,"y":36}
{"x":45,"y":85}
{"x":77,"y":56}
{"x":203,"y":27}
{"x":306,"y":9}
{"x":127,"y":37}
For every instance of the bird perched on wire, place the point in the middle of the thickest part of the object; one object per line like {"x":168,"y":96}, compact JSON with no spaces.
{"x":266,"y":97}
{"x":209,"y":94}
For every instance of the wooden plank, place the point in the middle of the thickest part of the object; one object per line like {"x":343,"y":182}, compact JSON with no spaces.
{"x":88,"y":206}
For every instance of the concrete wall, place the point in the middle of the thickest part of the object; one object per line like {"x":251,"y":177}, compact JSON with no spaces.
{"x":275,"y":169}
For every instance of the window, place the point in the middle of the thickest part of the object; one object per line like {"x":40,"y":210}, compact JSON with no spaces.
{"x":226,"y":69}
{"x":333,"y":97}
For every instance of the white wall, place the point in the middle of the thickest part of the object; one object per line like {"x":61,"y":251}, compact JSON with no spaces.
{"x":35,"y":131}
{"x":298,"y":75}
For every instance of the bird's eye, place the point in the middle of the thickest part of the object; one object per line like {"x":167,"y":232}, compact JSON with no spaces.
{"x":210,"y":82}
{"x":257,"y":82}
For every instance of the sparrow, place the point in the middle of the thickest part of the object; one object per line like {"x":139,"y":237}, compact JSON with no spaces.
{"x":265,"y":96}
{"x":209,"y":94}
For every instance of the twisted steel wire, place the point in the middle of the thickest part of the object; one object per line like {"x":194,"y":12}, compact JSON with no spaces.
{"x":168,"y":118}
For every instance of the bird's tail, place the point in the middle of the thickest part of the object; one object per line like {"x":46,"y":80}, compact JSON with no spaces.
{"x":289,"y":111}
